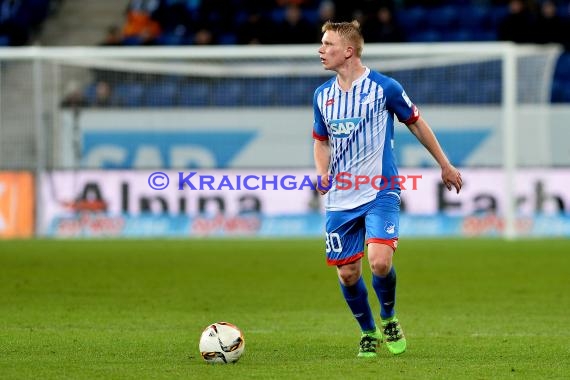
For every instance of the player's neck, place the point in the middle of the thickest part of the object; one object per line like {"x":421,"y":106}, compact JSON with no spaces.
{"x":348,"y":74}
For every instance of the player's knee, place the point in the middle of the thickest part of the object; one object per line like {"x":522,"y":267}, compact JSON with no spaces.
{"x":348,"y":276}
{"x":381,"y":265}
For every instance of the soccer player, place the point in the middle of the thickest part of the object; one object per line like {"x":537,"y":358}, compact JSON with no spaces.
{"x":353,"y":132}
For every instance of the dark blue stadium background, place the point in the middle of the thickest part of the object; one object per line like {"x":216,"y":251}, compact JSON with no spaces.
{"x":229,"y":22}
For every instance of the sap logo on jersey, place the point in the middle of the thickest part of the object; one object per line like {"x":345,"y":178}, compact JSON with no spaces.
{"x":342,"y":128}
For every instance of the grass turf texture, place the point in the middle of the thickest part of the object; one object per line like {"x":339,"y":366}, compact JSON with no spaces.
{"x":135,"y":310}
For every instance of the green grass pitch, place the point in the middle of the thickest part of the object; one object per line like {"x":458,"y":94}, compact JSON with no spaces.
{"x":471,"y":309}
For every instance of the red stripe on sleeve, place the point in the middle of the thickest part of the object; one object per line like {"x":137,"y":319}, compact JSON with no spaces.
{"x":319,"y":137}
{"x":415,"y":116}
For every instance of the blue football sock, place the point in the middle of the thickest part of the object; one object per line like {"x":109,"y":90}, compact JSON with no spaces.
{"x":356,"y":297}
{"x":385,"y":288}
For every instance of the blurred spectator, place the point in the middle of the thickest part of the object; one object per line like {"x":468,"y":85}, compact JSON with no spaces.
{"x":295,"y":29}
{"x":359,"y":9}
{"x":141,"y":23}
{"x":327,"y":12}
{"x":113,"y":37}
{"x":381,"y":27}
{"x":204,"y":37}
{"x":255,"y":30}
{"x":519,"y":25}
{"x":176,"y":17}
{"x":102,"y":95}
{"x":217,"y":18}
{"x":73,"y":96}
{"x":551,"y":27}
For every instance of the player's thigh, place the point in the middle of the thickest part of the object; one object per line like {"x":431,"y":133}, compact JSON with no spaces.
{"x":382,"y":229}
{"x":345,"y":233}
{"x":380,"y":258}
{"x":382,"y":220}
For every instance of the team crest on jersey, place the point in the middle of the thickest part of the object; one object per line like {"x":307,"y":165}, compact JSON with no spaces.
{"x":390,"y":228}
{"x":342,"y":128}
{"x":363,"y":97}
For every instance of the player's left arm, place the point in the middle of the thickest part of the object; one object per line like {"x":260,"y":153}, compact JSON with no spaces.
{"x":450,"y":176}
{"x":398,"y":102}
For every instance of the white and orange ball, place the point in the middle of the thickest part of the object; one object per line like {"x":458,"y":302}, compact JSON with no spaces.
{"x":222,"y":342}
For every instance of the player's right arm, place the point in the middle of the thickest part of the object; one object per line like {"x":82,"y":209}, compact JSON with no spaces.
{"x":322,"y":155}
{"x":321,"y":147}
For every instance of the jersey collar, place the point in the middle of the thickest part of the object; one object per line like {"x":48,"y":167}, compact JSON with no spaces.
{"x":357,"y":81}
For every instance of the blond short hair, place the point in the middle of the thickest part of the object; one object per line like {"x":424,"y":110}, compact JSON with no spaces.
{"x":349,"y":31}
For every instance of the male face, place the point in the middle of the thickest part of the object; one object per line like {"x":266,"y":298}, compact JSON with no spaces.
{"x":333,"y":51}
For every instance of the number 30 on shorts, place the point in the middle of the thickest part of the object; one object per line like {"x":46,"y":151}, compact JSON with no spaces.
{"x":333,"y":242}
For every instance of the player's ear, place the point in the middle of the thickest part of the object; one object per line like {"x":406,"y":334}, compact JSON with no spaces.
{"x":348,"y":52}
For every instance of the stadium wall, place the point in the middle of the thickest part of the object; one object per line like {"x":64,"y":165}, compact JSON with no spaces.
{"x":245,"y":138}
{"x":282,"y":202}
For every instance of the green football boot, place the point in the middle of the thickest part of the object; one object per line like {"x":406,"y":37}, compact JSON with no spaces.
{"x":369,"y":344}
{"x":395,"y":339}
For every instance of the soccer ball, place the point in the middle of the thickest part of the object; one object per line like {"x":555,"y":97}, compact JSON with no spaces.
{"x":222,"y":342}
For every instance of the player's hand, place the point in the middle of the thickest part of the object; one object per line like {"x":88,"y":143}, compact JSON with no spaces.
{"x":451,"y":177}
{"x":325,"y":184}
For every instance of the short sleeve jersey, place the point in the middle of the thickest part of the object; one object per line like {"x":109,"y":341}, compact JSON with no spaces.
{"x":359,"y":125}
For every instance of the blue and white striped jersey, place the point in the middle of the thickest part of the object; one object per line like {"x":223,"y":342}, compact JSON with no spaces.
{"x":359,"y":125}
